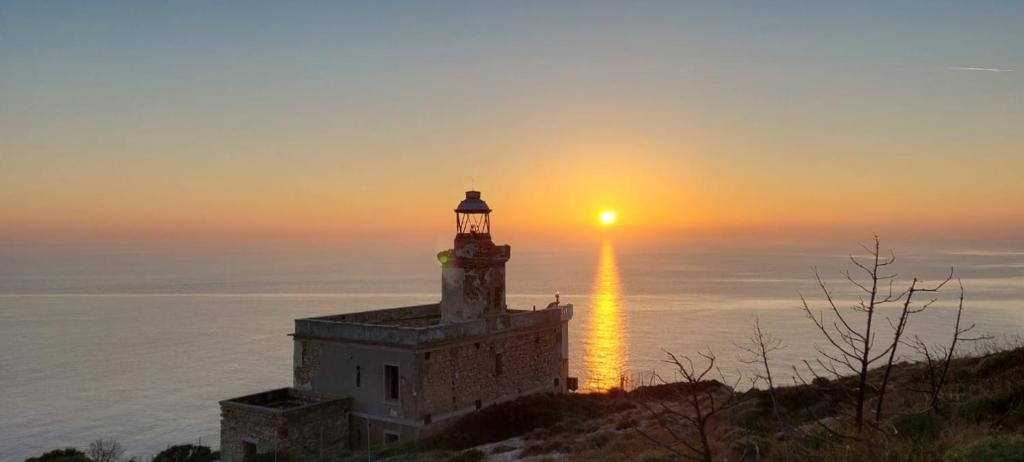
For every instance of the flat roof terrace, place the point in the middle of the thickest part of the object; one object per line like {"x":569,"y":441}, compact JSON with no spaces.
{"x":279,"y":401}
{"x":407,"y":316}
{"x":416,"y":326}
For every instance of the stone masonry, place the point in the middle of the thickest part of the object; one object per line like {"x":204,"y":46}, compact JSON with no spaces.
{"x":462,"y":375}
{"x":288,"y":422}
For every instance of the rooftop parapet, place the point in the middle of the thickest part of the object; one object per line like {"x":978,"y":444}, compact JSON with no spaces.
{"x":409,"y":316}
{"x":406,"y":326}
{"x":282,"y":401}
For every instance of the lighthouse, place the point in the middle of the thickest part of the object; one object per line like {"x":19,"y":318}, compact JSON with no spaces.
{"x":473,"y":271}
{"x":400,"y":374}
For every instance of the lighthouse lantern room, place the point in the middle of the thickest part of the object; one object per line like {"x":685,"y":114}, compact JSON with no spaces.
{"x":473,"y":216}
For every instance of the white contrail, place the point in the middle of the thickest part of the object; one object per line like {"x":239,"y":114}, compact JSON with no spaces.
{"x":982,"y":69}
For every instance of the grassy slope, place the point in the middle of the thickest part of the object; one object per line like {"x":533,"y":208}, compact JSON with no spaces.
{"x":982,"y":417}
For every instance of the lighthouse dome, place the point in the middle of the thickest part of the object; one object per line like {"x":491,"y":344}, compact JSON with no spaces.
{"x":473,"y":204}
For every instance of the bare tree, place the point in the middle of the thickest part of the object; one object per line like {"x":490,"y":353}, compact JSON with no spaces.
{"x":756,"y":352}
{"x":937,"y":361}
{"x":688,"y":427}
{"x":854,"y":348}
{"x":103,"y":450}
{"x":899,"y":328}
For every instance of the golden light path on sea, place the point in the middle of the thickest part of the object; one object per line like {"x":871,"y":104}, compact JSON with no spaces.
{"x":605,"y":355}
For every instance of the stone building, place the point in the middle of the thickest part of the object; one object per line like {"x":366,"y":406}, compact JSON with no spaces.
{"x":403,"y":373}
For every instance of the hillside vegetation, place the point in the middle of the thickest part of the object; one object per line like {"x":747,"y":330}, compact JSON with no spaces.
{"x":981,"y":418}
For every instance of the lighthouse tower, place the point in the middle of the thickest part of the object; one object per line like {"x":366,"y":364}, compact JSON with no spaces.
{"x":473,"y":272}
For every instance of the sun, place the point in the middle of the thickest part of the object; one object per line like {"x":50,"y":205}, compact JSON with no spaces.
{"x":607,"y":217}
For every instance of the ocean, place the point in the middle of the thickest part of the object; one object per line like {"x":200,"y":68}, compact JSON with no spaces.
{"x":139,"y":344}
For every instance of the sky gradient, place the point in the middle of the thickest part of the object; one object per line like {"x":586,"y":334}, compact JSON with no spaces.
{"x":259,"y":119}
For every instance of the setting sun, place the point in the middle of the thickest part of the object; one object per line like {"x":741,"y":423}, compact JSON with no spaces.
{"x":607,"y":217}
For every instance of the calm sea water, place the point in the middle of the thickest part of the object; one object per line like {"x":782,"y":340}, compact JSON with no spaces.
{"x":140,"y":345}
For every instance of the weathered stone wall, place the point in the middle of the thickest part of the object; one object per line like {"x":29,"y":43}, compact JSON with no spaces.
{"x":452,"y":278}
{"x":464,"y":375}
{"x":318,"y":432}
{"x":238,"y":425}
{"x":355,"y":371}
{"x":473,"y":279}
{"x":305,"y":363}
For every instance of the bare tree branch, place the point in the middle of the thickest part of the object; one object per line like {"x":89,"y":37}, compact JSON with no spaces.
{"x":699,"y":396}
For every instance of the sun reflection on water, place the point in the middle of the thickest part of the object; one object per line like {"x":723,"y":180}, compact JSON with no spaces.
{"x":605,"y":357}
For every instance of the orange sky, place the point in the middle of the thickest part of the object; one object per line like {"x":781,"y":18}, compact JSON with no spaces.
{"x":704,"y":121}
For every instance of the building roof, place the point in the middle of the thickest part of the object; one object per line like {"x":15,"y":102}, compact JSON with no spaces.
{"x":283,"y":401}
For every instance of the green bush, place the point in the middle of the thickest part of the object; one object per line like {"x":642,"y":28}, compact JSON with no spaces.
{"x":819,"y":400}
{"x":551,"y":445}
{"x":754,"y":415}
{"x":598,"y":440}
{"x":502,"y":448}
{"x":655,"y":456}
{"x":185,"y":453}
{"x":472,"y":455}
{"x":817,"y":439}
{"x":626,"y":424}
{"x":990,"y":405}
{"x":522,"y":415}
{"x":1014,"y":418}
{"x":752,"y":447}
{"x":61,"y":455}
{"x":925,"y":425}
{"x":1001,"y":448}
{"x":996,"y":363}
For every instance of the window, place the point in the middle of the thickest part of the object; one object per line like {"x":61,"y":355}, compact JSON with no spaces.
{"x":426,"y":356}
{"x":390,"y":437}
{"x":497,"y":364}
{"x":359,"y":375}
{"x":391,"y":382}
